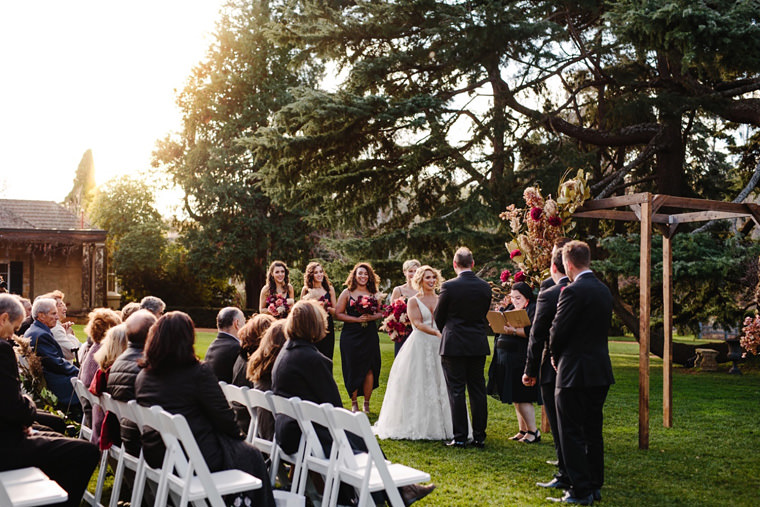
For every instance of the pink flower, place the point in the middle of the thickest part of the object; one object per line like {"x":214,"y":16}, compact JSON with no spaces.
{"x":520,"y":276}
{"x":554,"y":221}
{"x":535,"y":213}
{"x":505,"y":276}
{"x":514,"y":253}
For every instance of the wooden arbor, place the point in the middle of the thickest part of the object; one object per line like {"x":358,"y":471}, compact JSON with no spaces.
{"x":666,"y":213}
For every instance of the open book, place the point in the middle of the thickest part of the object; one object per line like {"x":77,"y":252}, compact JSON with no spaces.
{"x":514,"y":318}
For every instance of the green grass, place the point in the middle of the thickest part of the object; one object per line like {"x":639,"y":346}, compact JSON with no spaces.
{"x":710,"y":457}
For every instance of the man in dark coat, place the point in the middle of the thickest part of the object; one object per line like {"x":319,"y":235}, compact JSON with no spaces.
{"x":58,"y":372}
{"x":538,"y":365}
{"x":224,"y":350}
{"x":578,"y":344}
{"x":123,"y":373}
{"x":69,"y":462}
{"x":461,"y":316}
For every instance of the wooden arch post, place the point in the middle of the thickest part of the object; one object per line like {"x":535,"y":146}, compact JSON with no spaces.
{"x":645,"y":207}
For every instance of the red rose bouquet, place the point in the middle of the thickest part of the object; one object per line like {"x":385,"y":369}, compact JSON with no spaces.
{"x":365,"y":305}
{"x":325,"y":301}
{"x":396,"y":322}
{"x":278,"y":306}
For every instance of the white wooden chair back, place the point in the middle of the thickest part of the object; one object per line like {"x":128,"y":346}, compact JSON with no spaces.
{"x":29,"y":487}
{"x":239,"y":395}
{"x":85,"y":433}
{"x":124,"y":460}
{"x":259,"y":399}
{"x":146,"y":421}
{"x":314,"y":456}
{"x":288,"y":407}
{"x":368,"y":472}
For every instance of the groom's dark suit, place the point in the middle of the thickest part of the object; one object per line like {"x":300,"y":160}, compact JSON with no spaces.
{"x":461,"y":316}
{"x":538,"y":364}
{"x":578,"y":343}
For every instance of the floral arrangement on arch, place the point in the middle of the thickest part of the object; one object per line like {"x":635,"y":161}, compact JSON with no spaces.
{"x":396,"y":322}
{"x":535,"y":227}
{"x":750,"y":339}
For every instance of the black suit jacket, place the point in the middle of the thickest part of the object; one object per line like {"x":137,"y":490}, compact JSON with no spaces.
{"x":549,"y":282}
{"x":538,"y":364}
{"x":461,"y":316}
{"x":578,"y":337}
{"x":18,"y":411}
{"x":221,"y":355}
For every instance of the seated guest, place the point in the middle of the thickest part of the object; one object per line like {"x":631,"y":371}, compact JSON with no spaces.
{"x":154,"y":305}
{"x":250,"y":336}
{"x":62,"y":331}
{"x":124,"y":370}
{"x":173,"y":378}
{"x":70,"y":462}
{"x":128,"y":310}
{"x":223,"y":351}
{"x":260,"y":369}
{"x":101,"y":320}
{"x":301,"y":370}
{"x":57,"y":371}
{"x":111,"y":347}
{"x":28,"y":316}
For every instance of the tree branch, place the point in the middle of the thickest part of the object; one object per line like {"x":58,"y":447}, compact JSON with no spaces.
{"x":647,"y":152}
{"x":753,"y":181}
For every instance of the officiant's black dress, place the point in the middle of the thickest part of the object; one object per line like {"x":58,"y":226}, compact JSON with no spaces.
{"x":359,"y":352}
{"x":508,"y":364}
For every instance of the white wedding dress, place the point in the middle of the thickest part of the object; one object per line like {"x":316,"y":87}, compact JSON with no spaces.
{"x":416,"y":404}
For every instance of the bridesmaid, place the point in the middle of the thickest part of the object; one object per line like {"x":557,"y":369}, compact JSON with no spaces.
{"x":405,"y":291}
{"x":359,"y":341}
{"x":316,"y":285}
{"x":278,"y":284}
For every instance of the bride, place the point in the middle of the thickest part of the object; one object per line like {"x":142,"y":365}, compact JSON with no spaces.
{"x":416,"y":403}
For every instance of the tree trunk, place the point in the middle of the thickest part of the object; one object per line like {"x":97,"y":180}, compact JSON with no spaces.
{"x":255,"y":279}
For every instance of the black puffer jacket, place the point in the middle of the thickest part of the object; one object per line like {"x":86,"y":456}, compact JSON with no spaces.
{"x":121,"y":386}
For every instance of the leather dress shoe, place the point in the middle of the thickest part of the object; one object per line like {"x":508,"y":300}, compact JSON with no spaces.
{"x":569,"y":498}
{"x":456,"y":443}
{"x":478,"y":443}
{"x":597,"y":495}
{"x":554,"y":483}
{"x":414,"y":492}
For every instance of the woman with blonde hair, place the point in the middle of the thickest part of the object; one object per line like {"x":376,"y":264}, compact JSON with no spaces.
{"x":404,"y":292}
{"x":416,"y":403}
{"x":101,"y":320}
{"x":317,"y":286}
{"x":111,"y":347}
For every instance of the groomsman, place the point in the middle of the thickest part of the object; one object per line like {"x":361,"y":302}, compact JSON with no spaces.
{"x":578,"y":344}
{"x":538,"y":363}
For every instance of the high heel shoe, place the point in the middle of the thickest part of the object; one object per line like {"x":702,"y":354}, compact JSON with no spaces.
{"x":366,"y":407}
{"x":536,"y":437}
{"x":520,"y":435}
{"x":354,"y":406}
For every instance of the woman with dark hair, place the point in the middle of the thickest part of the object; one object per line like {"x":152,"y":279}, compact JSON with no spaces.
{"x":317,"y":286}
{"x":508,"y":364}
{"x":358,"y":306}
{"x":277,"y":295}
{"x":173,"y":378}
{"x":260,"y":370}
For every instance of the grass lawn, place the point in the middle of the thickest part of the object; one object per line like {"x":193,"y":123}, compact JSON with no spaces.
{"x":710,"y":457}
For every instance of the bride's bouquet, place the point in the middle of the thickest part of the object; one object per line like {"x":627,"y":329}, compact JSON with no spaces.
{"x":396,"y":322}
{"x":365,"y":305}
{"x":278,"y":305}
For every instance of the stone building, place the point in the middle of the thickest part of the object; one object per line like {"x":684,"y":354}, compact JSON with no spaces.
{"x":44,"y":246}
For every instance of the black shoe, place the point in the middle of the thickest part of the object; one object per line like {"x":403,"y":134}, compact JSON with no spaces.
{"x":552,"y":462}
{"x":414,"y":492}
{"x":554,"y":483}
{"x":519,"y":436}
{"x":568,"y":498}
{"x":597,"y":495}
{"x":536,"y":437}
{"x":456,"y":443}
{"x":478,"y":443}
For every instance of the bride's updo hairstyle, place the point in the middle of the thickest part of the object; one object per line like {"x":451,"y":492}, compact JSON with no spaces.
{"x":420,"y":274}
{"x":307,"y":321}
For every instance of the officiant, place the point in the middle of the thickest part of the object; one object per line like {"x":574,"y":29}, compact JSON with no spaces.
{"x":508,"y":364}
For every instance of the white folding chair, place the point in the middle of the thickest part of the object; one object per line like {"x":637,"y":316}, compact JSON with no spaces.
{"x":85,"y":433}
{"x":124,"y":460}
{"x":145,"y":421}
{"x":238,"y":395}
{"x":368,"y":472}
{"x":259,"y":399}
{"x":287,"y":407}
{"x":29,"y":487}
{"x":314,"y":457}
{"x":186,"y":473}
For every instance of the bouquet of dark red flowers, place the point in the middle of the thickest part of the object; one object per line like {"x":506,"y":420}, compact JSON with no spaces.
{"x":325,"y":301}
{"x":365,"y":305}
{"x":278,"y":305}
{"x":396,"y":322}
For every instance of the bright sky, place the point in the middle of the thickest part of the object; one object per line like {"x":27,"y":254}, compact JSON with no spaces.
{"x":91,"y":74}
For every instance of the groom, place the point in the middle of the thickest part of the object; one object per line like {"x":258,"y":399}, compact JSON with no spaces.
{"x":461,"y":315}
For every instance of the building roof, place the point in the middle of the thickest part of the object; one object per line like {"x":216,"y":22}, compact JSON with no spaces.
{"x":44,"y":215}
